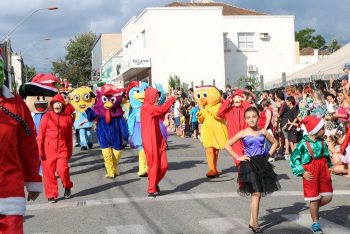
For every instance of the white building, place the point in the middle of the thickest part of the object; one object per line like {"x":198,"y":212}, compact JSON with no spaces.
{"x":111,"y":69}
{"x":106,"y":45}
{"x":17,"y":64}
{"x":206,"y":43}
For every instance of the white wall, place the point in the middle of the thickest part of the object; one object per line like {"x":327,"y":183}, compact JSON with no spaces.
{"x":17,"y":68}
{"x":272,"y":57}
{"x":179,"y":41}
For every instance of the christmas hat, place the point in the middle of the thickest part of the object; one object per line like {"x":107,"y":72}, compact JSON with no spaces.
{"x":312,"y":124}
{"x":41,"y":85}
{"x":131,"y":85}
{"x":111,"y":90}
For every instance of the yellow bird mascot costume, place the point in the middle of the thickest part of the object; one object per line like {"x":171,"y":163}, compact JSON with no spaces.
{"x":214,"y":131}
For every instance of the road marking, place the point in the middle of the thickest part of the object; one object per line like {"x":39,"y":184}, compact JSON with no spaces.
{"x":126,"y":229}
{"x":165,"y":198}
{"x":225,"y":225}
{"x":326,"y":225}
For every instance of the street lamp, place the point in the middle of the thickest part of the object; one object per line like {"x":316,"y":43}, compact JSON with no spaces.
{"x":51,"y":8}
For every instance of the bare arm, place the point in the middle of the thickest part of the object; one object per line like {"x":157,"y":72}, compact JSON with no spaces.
{"x":268,"y":118}
{"x":233,"y":140}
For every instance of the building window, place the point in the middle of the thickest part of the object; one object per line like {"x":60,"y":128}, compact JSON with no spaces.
{"x":226,"y":46}
{"x":246,"y":41}
{"x":143,"y":35}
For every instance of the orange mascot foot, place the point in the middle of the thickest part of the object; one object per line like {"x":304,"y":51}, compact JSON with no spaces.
{"x":211,"y":174}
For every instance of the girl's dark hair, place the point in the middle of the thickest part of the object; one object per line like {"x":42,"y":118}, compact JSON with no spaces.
{"x":265,"y":103}
{"x":291,"y":99}
{"x":330,"y":95}
{"x":280,"y":95}
{"x":193,"y":103}
{"x":251,"y":109}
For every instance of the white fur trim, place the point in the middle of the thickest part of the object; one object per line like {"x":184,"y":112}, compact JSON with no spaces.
{"x":6,"y":92}
{"x":34,"y":187}
{"x":12,"y":206}
{"x":312,"y":198}
{"x":317,"y":128}
{"x":326,"y":194}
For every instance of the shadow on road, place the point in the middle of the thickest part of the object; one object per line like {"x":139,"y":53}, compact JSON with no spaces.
{"x":283,"y":177}
{"x":275,"y":215}
{"x":28,"y":217}
{"x":87,"y":170}
{"x":184,"y":164}
{"x":102,"y":188}
{"x":87,"y":163}
{"x":179,"y":146}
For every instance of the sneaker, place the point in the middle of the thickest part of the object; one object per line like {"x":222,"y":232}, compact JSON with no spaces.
{"x":316,"y":228}
{"x":271,"y":160}
{"x":51,"y":200}
{"x":83,"y":148}
{"x":90,"y":145}
{"x":287,"y":157}
{"x":67,"y":193}
{"x":158,"y":189}
{"x":152,"y":195}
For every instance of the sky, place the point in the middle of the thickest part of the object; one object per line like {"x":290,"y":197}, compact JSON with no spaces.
{"x":329,"y":18}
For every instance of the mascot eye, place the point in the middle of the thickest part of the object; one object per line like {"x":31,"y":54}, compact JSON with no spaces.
{"x":113,"y":99}
{"x":205,"y":95}
{"x":198,"y":95}
{"x":86,"y":97}
{"x":137,"y":91}
{"x":43,"y":98}
{"x":104,"y":99}
{"x":76,"y":98}
{"x":38,"y":98}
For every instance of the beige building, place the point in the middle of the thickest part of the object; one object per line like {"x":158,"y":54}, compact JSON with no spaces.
{"x":106,"y":45}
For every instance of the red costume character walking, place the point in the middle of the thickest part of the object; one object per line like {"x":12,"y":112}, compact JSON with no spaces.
{"x":55,"y":148}
{"x":232,"y":110}
{"x":19,"y":162}
{"x":153,"y":141}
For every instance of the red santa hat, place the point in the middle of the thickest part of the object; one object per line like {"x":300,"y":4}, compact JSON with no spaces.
{"x":238,"y":92}
{"x":131,"y":85}
{"x":111,"y":90}
{"x":312,"y":124}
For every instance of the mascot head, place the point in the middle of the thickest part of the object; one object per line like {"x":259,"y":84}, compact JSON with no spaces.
{"x":82,"y":98}
{"x":39,"y":92}
{"x":135,"y":92}
{"x":207,"y":96}
{"x":108,"y":101}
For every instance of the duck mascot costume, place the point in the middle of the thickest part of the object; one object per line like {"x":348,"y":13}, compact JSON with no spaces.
{"x":214,"y":131}
{"x":111,"y":126}
{"x":83,"y":98}
{"x":135,"y":92}
{"x":232,"y":110}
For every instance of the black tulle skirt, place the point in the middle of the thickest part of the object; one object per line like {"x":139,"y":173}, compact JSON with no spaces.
{"x":257,"y":175}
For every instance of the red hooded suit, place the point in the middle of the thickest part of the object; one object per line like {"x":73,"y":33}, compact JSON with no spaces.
{"x":235,"y":122}
{"x":19,"y":162}
{"x":153,"y":141}
{"x":55,"y":147}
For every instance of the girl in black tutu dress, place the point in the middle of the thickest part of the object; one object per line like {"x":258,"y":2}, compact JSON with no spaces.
{"x":255,"y":174}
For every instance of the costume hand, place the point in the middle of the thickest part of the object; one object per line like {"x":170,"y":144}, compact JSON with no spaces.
{"x":308,"y":176}
{"x":243,"y":158}
{"x":83,"y":122}
{"x":32,"y":196}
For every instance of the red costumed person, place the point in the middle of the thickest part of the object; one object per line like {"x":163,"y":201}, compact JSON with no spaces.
{"x":153,"y":141}
{"x":55,"y":148}
{"x":232,"y":110}
{"x":19,"y":162}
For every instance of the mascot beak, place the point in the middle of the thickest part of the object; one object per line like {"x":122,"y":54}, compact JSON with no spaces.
{"x":108,"y":105}
{"x":203,"y":101}
{"x":139,"y":96}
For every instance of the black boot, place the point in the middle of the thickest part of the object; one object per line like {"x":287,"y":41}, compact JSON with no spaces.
{"x":83,"y":148}
{"x":90,"y":145}
{"x":67,"y":193}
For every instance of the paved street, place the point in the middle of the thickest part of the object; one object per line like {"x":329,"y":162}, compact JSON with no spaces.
{"x":188,"y":203}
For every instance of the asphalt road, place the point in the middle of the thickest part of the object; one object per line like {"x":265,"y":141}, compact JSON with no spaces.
{"x":188,"y":202}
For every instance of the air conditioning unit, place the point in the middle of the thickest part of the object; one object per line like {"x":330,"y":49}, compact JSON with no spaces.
{"x":264,"y":36}
{"x":252,"y":68}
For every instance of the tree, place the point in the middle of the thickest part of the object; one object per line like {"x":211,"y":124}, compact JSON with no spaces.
{"x":29,"y":73}
{"x":174,"y":81}
{"x":307,"y":38}
{"x":250,"y":80}
{"x":76,"y":66}
{"x":333,"y":46}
